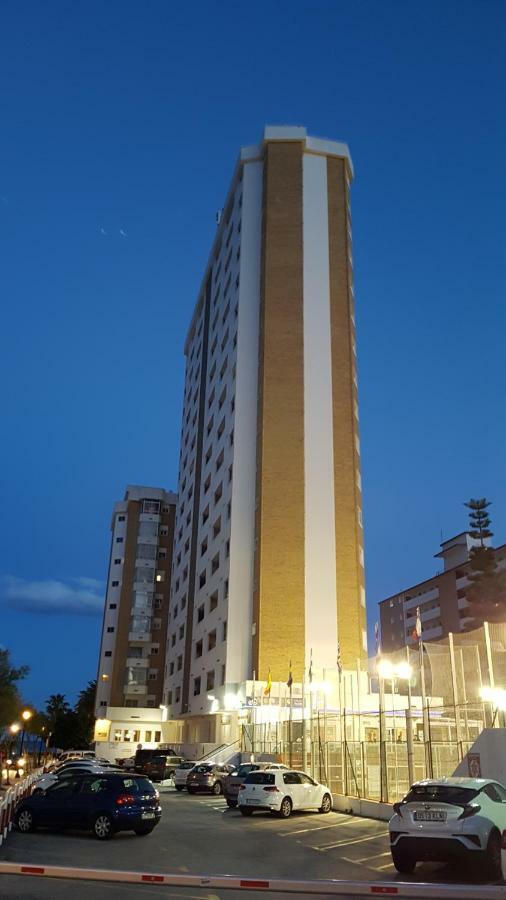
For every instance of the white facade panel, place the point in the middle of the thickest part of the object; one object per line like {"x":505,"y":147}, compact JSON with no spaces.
{"x":320,"y":543}
{"x":240,"y":612}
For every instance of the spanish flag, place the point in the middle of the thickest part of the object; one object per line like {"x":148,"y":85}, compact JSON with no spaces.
{"x":267,"y":689}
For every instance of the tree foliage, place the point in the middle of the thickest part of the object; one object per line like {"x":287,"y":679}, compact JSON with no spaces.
{"x":72,"y":728}
{"x":10,"y":700}
{"x":487,"y":590}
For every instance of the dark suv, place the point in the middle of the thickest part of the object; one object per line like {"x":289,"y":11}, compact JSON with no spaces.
{"x":101,"y":802}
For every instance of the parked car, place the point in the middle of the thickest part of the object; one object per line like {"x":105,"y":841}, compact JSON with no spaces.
{"x":143,"y":756}
{"x":238,"y":776}
{"x":159,"y":768}
{"x":103,"y":802}
{"x":181,"y":774}
{"x":207,"y":777}
{"x":447,"y":818}
{"x":126,"y":764}
{"x":65,"y":772}
{"x":281,"y":792}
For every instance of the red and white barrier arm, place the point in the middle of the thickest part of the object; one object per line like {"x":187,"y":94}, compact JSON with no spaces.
{"x":274,"y":885}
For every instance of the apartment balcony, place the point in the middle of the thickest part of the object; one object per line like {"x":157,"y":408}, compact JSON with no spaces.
{"x":134,"y":662}
{"x":135,"y":690}
{"x":150,"y":517}
{"x":139,"y":637}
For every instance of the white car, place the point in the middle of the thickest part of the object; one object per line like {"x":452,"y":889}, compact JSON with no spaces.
{"x":64,"y":772}
{"x":450,"y":818}
{"x":181,"y":774}
{"x":282,"y":791}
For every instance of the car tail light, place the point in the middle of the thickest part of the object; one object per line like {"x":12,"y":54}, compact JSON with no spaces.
{"x":469,"y":810}
{"x":125,"y":800}
{"x":272,"y":790}
{"x":397,"y":809}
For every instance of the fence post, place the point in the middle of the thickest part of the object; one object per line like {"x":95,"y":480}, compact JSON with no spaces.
{"x":455,"y":695}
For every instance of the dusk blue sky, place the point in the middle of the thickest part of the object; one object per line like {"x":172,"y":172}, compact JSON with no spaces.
{"x":129,"y":116}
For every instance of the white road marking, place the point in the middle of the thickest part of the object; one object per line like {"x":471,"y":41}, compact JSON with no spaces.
{"x":347,"y":843}
{"x":316,"y":828}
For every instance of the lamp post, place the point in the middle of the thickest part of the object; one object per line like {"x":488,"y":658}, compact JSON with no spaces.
{"x":26,"y":715}
{"x":403,"y":671}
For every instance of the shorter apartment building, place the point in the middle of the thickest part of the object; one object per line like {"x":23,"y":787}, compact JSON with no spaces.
{"x":442,"y":599}
{"x":134,"y":632}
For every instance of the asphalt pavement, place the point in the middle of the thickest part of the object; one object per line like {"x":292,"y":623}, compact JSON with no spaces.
{"x":200,"y":835}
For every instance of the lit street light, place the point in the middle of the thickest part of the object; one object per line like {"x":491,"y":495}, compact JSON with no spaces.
{"x":26,"y":715}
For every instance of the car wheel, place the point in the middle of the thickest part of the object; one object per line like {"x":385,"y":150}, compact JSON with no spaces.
{"x":142,"y":832}
{"x":217,"y":788}
{"x":245,"y":811}
{"x":179,"y":787}
{"x":103,"y":828}
{"x":326,"y":804}
{"x":232,"y":804}
{"x":285,"y":810}
{"x":25,"y":821}
{"x":493,"y":857}
{"x":403,"y":862}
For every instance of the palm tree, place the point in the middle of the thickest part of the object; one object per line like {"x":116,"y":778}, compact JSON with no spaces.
{"x":56,"y":707}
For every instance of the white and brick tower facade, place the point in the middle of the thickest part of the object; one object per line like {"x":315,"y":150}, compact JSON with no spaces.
{"x":268,"y":544}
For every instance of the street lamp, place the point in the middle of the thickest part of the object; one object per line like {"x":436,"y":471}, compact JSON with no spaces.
{"x":497,"y":699}
{"x":403,"y":671}
{"x":26,"y":715}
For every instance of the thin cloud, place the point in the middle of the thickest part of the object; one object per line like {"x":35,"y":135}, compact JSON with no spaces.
{"x":123,"y":232}
{"x":75,"y":596}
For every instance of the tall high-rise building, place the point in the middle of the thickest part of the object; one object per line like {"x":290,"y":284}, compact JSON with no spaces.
{"x":134,"y":631}
{"x":268,"y":548}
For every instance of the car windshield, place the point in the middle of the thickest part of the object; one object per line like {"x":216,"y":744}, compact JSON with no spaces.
{"x":138,"y":785}
{"x":202,"y":769}
{"x":186,"y":765}
{"x":260,"y":778}
{"x":441,"y":793}
{"x":244,"y":770}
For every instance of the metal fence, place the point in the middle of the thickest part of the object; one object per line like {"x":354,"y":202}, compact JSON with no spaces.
{"x":424,"y":726}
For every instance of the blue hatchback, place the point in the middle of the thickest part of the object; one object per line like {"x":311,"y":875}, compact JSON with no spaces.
{"x":101,"y":802}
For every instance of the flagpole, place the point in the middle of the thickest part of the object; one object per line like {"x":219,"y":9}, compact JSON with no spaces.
{"x":253,"y":716}
{"x":425,"y":708}
{"x":304,"y":719}
{"x":311,"y":713}
{"x":290,"y":717}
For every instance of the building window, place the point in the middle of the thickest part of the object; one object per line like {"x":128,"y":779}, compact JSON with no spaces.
{"x":224,"y":631}
{"x":218,"y":493}
{"x":196,"y":686}
{"x":223,"y":674}
{"x":147,"y":736}
{"x":202,"y":578}
{"x":179,"y":663}
{"x":154,"y":651}
{"x":211,"y":640}
{"x":114,"y":583}
{"x":213,"y":601}
{"x":152,"y":676}
{"x":119,"y":540}
{"x":178,"y":694}
{"x":169,"y":697}
{"x":200,"y":613}
{"x":181,"y":631}
{"x":117,"y":562}
{"x":219,"y":461}
{"x":110,"y":629}
{"x":171,"y":668}
{"x":173,"y":640}
{"x":198,"y":649}
{"x":217,"y":527}
{"x":215,"y":564}
{"x":158,"y":737}
{"x":210,"y":681}
{"x":113,"y":605}
{"x":108,"y":653}
{"x":160,"y":576}
{"x":205,"y":515}
{"x":121,"y":518}
{"x":203,"y":547}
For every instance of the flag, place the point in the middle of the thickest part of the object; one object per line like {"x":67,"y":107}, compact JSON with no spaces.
{"x":290,"y":677}
{"x":310,"y":673}
{"x":339,"y":662}
{"x":377,"y":639}
{"x":267,"y":689}
{"x":417,"y":630}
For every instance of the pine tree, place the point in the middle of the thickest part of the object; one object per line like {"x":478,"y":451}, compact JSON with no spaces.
{"x":487,"y":591}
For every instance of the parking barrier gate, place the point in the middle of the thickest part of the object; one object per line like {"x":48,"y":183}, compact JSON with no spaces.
{"x":335,"y":888}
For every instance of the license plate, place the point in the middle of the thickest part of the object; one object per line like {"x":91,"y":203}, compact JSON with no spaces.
{"x":148,"y":815}
{"x":251,"y":803}
{"x":430,"y":817}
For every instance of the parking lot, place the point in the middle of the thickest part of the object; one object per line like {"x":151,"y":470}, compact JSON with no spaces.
{"x":200,"y":835}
